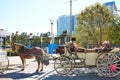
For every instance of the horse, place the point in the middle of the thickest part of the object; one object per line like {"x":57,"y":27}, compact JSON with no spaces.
{"x":25,"y":53}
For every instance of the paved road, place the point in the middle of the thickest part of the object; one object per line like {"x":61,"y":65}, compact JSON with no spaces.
{"x":14,"y":73}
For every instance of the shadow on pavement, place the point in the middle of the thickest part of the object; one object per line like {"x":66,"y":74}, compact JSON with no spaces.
{"x":20,"y":75}
{"x":51,"y":75}
{"x":81,"y":77}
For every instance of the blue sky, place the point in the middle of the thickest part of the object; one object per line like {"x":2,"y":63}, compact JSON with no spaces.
{"x":33,"y":16}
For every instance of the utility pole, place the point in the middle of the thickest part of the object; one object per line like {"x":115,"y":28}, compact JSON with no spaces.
{"x":71,"y":18}
{"x":52,"y":34}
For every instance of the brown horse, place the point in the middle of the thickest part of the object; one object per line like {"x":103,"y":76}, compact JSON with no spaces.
{"x":24,"y":53}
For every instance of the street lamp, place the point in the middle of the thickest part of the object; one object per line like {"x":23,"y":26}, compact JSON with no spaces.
{"x":52,"y":34}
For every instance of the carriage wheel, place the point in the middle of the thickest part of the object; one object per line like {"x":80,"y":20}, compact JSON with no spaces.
{"x":108,"y":64}
{"x":62,"y":65}
{"x":72,"y":59}
{"x":4,"y":64}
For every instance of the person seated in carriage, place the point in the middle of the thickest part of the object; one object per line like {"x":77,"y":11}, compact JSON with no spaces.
{"x":105,"y":47}
{"x":73,"y":47}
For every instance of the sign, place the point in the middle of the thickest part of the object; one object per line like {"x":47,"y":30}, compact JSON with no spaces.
{"x":52,"y":48}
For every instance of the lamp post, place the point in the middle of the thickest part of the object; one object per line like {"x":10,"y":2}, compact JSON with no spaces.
{"x":52,"y":34}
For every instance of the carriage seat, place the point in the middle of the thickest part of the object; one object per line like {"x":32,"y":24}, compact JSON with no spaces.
{"x":80,"y":50}
{"x":93,"y":50}
{"x":74,"y":48}
{"x":87,"y":50}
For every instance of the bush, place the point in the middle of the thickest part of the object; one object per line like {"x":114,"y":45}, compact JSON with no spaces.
{"x":12,"y":54}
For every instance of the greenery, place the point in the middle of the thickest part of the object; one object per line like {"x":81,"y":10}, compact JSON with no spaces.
{"x":23,"y":38}
{"x":12,"y":54}
{"x":96,"y":24}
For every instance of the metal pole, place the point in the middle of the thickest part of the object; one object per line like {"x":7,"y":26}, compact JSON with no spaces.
{"x":10,"y":44}
{"x":52,"y":34}
{"x":70,"y":19}
{"x":52,"y":31}
{"x":41,"y":41}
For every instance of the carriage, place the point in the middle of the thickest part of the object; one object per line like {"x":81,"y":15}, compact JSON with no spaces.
{"x":4,"y":61}
{"x":106,"y":62}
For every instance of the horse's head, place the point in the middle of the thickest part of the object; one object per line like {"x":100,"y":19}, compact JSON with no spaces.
{"x":16,"y":47}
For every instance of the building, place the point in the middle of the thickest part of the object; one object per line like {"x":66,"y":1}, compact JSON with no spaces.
{"x":112,"y":6}
{"x":63,"y":24}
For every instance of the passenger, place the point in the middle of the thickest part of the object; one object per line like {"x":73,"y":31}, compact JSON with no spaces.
{"x":106,"y":46}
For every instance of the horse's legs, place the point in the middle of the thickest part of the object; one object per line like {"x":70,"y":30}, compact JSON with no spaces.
{"x":41,"y":64}
{"x":23,"y":61}
{"x":38,"y":61}
{"x":23,"y":65}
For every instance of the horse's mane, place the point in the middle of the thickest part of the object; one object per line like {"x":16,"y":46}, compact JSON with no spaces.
{"x":18,"y":43}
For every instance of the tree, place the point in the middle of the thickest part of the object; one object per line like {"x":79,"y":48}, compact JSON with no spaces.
{"x":45,"y":39}
{"x":114,"y":32}
{"x":92,"y":24}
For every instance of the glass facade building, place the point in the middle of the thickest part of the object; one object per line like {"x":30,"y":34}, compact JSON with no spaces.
{"x":111,"y":5}
{"x":63,"y":24}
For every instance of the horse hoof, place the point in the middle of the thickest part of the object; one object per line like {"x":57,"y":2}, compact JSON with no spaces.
{"x":37,"y":70}
{"x":41,"y":70}
{"x":22,"y":69}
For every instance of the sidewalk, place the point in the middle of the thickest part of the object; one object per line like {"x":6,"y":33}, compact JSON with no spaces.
{"x":13,"y":60}
{"x":16,"y":61}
